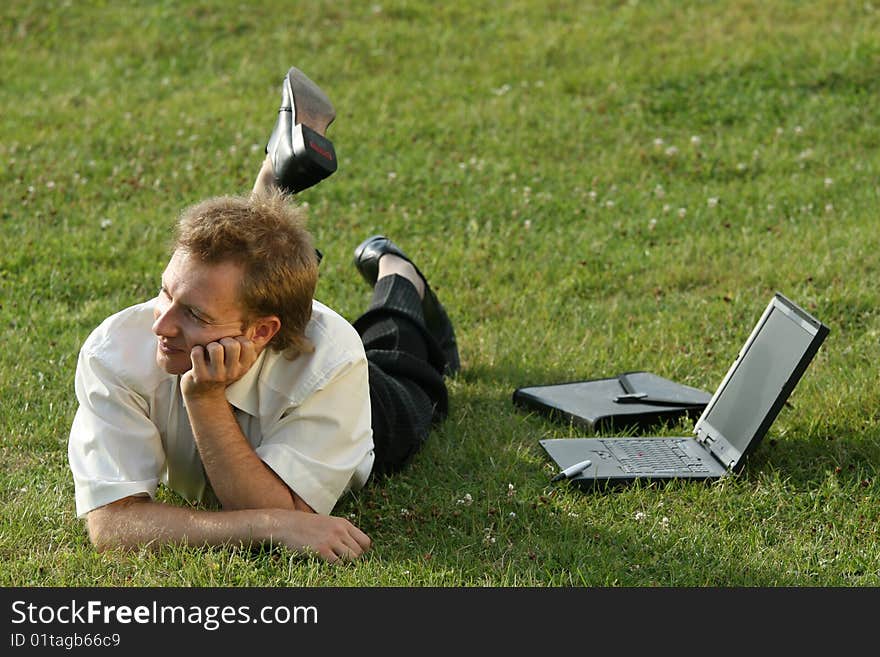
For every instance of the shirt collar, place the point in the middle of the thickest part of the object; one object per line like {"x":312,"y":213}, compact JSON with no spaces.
{"x":244,"y":394}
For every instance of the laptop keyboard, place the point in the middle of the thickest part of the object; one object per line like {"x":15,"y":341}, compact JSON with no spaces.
{"x":653,"y":455}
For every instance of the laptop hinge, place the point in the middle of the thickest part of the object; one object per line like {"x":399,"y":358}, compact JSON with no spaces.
{"x":720,"y":448}
{"x":702,"y":437}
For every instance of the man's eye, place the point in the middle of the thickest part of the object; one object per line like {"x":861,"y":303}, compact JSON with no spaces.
{"x":196,"y":317}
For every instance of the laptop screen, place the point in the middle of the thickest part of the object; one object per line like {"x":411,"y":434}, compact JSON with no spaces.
{"x":761,"y":379}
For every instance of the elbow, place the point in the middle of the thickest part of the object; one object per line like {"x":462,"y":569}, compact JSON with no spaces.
{"x":97,"y":535}
{"x":100,"y":534}
{"x":106,"y":525}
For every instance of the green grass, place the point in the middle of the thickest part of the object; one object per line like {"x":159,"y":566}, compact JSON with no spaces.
{"x":591,"y":187}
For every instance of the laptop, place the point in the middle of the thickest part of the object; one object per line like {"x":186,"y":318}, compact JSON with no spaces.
{"x":737,"y":417}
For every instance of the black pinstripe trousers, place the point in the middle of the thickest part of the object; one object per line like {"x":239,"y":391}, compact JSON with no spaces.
{"x":407,"y":391}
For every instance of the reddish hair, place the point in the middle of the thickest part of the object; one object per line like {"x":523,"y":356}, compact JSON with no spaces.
{"x":266,"y":236}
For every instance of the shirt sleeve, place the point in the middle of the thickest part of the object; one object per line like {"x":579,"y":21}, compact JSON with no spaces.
{"x":114,"y":448}
{"x":324,"y":446}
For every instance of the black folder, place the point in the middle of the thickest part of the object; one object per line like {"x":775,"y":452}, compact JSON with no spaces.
{"x":632,"y":400}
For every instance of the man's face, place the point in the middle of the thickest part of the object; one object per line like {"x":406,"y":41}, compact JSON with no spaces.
{"x":197,"y":304}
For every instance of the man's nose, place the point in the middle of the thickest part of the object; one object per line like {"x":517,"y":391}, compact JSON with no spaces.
{"x":164,"y":324}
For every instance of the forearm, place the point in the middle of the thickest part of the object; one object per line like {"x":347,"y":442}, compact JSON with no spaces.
{"x":139,"y":522}
{"x":143,"y":523}
{"x":240,"y":479}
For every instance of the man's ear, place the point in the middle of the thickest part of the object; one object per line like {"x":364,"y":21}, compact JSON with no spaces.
{"x":264,"y":329}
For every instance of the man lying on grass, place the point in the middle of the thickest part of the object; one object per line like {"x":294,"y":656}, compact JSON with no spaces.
{"x":234,"y":387}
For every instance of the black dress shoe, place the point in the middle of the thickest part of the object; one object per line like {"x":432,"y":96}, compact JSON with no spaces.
{"x":300,"y":153}
{"x":366,"y":259}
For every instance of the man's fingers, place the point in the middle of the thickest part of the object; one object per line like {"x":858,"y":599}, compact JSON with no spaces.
{"x":342,"y":554}
{"x":197,"y":356}
{"x":231,"y":353}
{"x":219,"y":363}
{"x":331,"y":538}
{"x":215,"y":358}
{"x":248,"y":351}
{"x":352,"y":543}
{"x":349,"y":544}
{"x":352,"y":549}
{"x":363,"y":541}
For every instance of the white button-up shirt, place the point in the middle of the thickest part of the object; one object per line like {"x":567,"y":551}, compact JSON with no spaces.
{"x":308,"y":419}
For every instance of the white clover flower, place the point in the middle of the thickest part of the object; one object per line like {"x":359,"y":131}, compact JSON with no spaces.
{"x":798,"y":130}
{"x":672,"y":151}
{"x":829,"y":208}
{"x":527,"y":224}
{"x":664,"y":522}
{"x":695,"y":140}
{"x":511,"y":515}
{"x":639,"y":516}
{"x":609,"y":203}
{"x":392,"y":175}
{"x":106,"y":223}
{"x":828,"y":182}
{"x":593,"y":195}
{"x":713,"y":201}
{"x":50,"y":184}
{"x":510,"y":490}
{"x":659,"y":192}
{"x":652,"y":223}
{"x":658,"y":142}
{"x":467,"y":500}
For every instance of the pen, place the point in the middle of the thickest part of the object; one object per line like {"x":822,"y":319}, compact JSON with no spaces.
{"x":631,"y":397}
{"x":573,"y":470}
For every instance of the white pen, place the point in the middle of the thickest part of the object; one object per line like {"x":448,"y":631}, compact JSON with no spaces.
{"x":573,"y":470}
